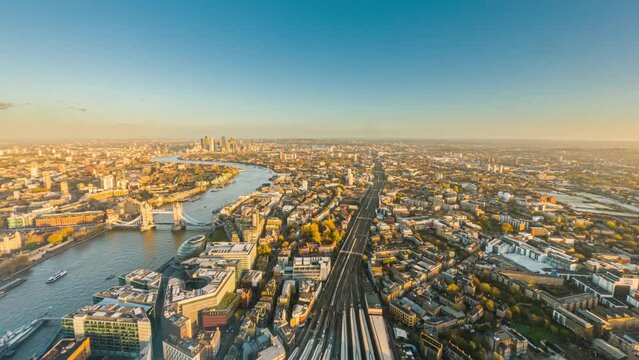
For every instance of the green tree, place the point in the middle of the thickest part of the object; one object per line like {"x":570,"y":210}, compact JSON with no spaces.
{"x":508,"y":314}
{"x":484,"y":287}
{"x":55,"y":238}
{"x":34,"y":239}
{"x":452,"y":288}
{"x":336,"y":236}
{"x":311,"y":232}
{"x":328,"y":224}
{"x":31,"y":246}
{"x":489,"y":316}
{"x":264,"y":250}
{"x":315,"y":235}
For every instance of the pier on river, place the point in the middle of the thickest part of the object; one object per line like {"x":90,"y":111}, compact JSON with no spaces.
{"x":113,"y":252}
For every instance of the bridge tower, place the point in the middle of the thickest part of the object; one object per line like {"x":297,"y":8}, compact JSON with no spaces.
{"x":147,"y":217}
{"x":178,"y":216}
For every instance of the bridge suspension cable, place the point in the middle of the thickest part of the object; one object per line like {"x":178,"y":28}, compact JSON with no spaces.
{"x":145,"y":220}
{"x":132,"y":223}
{"x":191,"y":221}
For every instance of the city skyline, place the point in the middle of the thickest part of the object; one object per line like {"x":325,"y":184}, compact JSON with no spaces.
{"x":319,"y":180}
{"x":559,"y":71}
{"x":219,"y":248}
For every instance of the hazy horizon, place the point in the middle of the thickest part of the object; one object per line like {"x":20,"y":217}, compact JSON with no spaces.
{"x":488,"y":71}
{"x":524,"y":143}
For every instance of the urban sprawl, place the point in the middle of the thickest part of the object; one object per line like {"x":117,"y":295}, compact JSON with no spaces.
{"x":351,"y":250}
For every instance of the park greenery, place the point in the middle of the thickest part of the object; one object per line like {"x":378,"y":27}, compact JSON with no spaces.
{"x":60,"y":235}
{"x":263,"y":250}
{"x":322,"y":233}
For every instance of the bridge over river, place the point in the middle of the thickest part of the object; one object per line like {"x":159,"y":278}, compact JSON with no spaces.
{"x":146,"y":220}
{"x":115,"y":252}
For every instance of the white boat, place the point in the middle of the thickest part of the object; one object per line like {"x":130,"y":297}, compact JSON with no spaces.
{"x":11,"y":339}
{"x":55,"y":277}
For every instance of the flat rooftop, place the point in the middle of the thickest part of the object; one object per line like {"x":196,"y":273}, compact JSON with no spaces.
{"x":229,"y":247}
{"x":129,"y":294}
{"x":63,"y":349}
{"x":525,"y":261}
{"x":216,"y":279}
{"x":146,"y":277}
{"x":111,"y":312}
{"x":187,"y":346}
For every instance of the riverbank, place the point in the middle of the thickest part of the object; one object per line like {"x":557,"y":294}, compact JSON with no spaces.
{"x":62,"y":248}
{"x":116,"y":251}
{"x":220,"y":182}
{"x":182,"y":158}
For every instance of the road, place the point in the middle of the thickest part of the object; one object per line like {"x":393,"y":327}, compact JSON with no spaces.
{"x":167,"y":271}
{"x":343,"y":296}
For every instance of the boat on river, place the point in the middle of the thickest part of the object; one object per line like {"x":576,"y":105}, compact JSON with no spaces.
{"x":57,"y":276}
{"x":130,"y":247}
{"x":11,"y":339}
{"x":4,"y":289}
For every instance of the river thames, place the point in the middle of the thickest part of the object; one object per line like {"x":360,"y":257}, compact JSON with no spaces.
{"x":114,"y":252}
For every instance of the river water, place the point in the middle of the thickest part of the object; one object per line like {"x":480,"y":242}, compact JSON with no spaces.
{"x":114,"y":252}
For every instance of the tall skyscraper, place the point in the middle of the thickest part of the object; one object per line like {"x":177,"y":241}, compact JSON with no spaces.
{"x":46,"y":179}
{"x":107,"y":182}
{"x":122,"y":183}
{"x":350,"y":179}
{"x":207,"y":144}
{"x":223,"y":144}
{"x":64,"y":187}
{"x":34,"y":170}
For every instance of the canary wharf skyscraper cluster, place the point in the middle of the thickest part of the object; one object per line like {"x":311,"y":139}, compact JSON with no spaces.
{"x":211,"y":145}
{"x":315,"y":249}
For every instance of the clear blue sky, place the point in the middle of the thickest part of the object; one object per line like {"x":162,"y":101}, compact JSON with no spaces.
{"x":424,"y":69}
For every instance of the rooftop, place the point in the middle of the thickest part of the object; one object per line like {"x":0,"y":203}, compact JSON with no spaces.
{"x":229,"y":247}
{"x":111,"y":312}
{"x":216,"y":279}
{"x":64,"y":348}
{"x":145,"y":277}
{"x":187,"y":346}
{"x":127,"y":294}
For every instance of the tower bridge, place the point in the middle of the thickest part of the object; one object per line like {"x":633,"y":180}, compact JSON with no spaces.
{"x":146,"y":221}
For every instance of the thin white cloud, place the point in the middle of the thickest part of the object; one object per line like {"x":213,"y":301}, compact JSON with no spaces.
{"x":75,"y":108}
